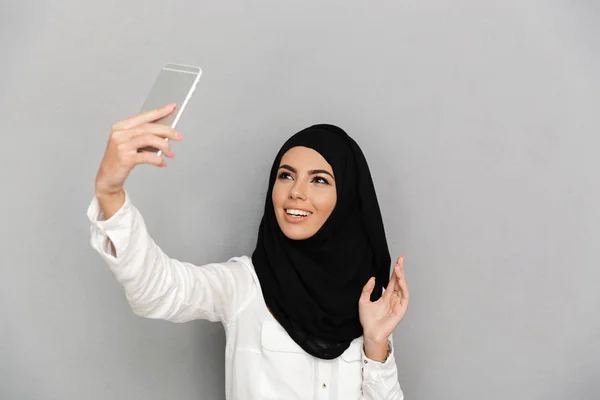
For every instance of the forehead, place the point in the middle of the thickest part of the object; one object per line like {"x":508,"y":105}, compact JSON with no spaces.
{"x":306,"y":158}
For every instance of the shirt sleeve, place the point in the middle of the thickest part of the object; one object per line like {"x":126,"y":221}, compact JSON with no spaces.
{"x":159,"y":287}
{"x":380,"y":379}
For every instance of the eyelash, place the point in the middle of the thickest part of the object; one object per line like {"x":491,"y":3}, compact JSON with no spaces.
{"x":285,"y":175}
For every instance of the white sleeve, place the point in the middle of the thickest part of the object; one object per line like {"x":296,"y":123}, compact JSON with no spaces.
{"x":380,"y":379}
{"x":160,"y":287}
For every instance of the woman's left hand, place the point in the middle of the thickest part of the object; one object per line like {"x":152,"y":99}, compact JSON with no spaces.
{"x":380,"y":318}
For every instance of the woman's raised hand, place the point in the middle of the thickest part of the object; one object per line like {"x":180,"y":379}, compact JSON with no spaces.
{"x":126,"y":138}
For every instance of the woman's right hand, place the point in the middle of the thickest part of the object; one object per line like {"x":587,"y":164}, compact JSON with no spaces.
{"x":126,"y":138}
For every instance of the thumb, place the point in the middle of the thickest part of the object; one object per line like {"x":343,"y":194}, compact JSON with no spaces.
{"x":367,"y":290}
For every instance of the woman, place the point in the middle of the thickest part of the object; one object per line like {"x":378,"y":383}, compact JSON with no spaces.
{"x":305,"y":316}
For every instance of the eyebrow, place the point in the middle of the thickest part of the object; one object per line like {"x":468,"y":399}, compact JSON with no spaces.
{"x":311,"y":172}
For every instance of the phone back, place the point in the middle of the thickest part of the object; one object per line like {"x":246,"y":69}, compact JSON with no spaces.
{"x":174,"y":84}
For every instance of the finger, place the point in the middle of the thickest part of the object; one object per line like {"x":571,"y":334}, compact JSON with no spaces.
{"x":367,"y":290}
{"x":399,"y":267}
{"x":400,"y":260}
{"x":391,"y":287}
{"x":405,"y":296}
{"x":149,"y":140}
{"x":401,"y":263}
{"x":161,"y":130}
{"x":146,"y":116}
{"x":149,"y":158}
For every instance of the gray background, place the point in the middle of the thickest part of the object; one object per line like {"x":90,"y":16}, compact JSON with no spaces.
{"x":478,"y":120}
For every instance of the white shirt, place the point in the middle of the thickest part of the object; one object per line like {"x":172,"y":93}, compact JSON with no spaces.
{"x":261,"y":360}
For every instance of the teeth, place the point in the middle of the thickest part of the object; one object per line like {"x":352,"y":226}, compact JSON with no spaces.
{"x":298,"y":213}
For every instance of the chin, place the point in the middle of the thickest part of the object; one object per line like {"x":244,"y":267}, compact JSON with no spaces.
{"x":296,"y":235}
{"x":292,"y":231}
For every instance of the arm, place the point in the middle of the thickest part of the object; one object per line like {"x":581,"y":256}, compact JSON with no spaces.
{"x":160,"y":287}
{"x":379,"y":320}
{"x":380,"y":378}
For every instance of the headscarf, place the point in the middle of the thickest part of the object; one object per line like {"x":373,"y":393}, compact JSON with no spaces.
{"x":312,"y":286}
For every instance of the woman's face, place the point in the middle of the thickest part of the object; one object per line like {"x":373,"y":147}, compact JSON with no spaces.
{"x":304,"y":194}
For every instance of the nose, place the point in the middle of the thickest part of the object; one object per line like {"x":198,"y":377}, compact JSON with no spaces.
{"x":298,"y":192}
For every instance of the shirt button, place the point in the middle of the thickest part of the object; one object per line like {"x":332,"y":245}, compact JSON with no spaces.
{"x":324,"y":386}
{"x":366,"y":361}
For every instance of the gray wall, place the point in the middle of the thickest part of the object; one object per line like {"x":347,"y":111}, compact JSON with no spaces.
{"x":477,"y":118}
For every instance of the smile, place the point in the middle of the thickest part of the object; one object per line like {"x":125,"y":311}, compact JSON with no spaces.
{"x":297,"y":213}
{"x":294,"y":215}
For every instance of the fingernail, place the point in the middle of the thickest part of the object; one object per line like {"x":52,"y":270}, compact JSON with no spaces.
{"x":179,"y":136}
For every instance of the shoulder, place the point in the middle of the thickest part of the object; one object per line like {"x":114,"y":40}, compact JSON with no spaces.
{"x":243,"y":267}
{"x":236,"y":270}
{"x":244,"y":281}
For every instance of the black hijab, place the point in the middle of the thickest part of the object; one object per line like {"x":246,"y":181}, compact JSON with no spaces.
{"x":312,"y":286}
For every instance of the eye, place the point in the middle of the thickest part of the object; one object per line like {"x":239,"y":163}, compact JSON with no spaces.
{"x":284,"y":175}
{"x":320,"y":179}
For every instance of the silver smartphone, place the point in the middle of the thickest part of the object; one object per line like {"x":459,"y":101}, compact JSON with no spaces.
{"x":175,"y":83}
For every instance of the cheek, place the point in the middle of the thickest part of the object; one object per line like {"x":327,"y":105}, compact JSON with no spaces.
{"x":276,"y":196}
{"x":326,"y":204}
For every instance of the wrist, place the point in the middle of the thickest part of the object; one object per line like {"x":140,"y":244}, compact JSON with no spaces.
{"x":376,"y":350}
{"x":105,"y":193}
{"x":110,"y":202}
{"x":375,"y":339}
